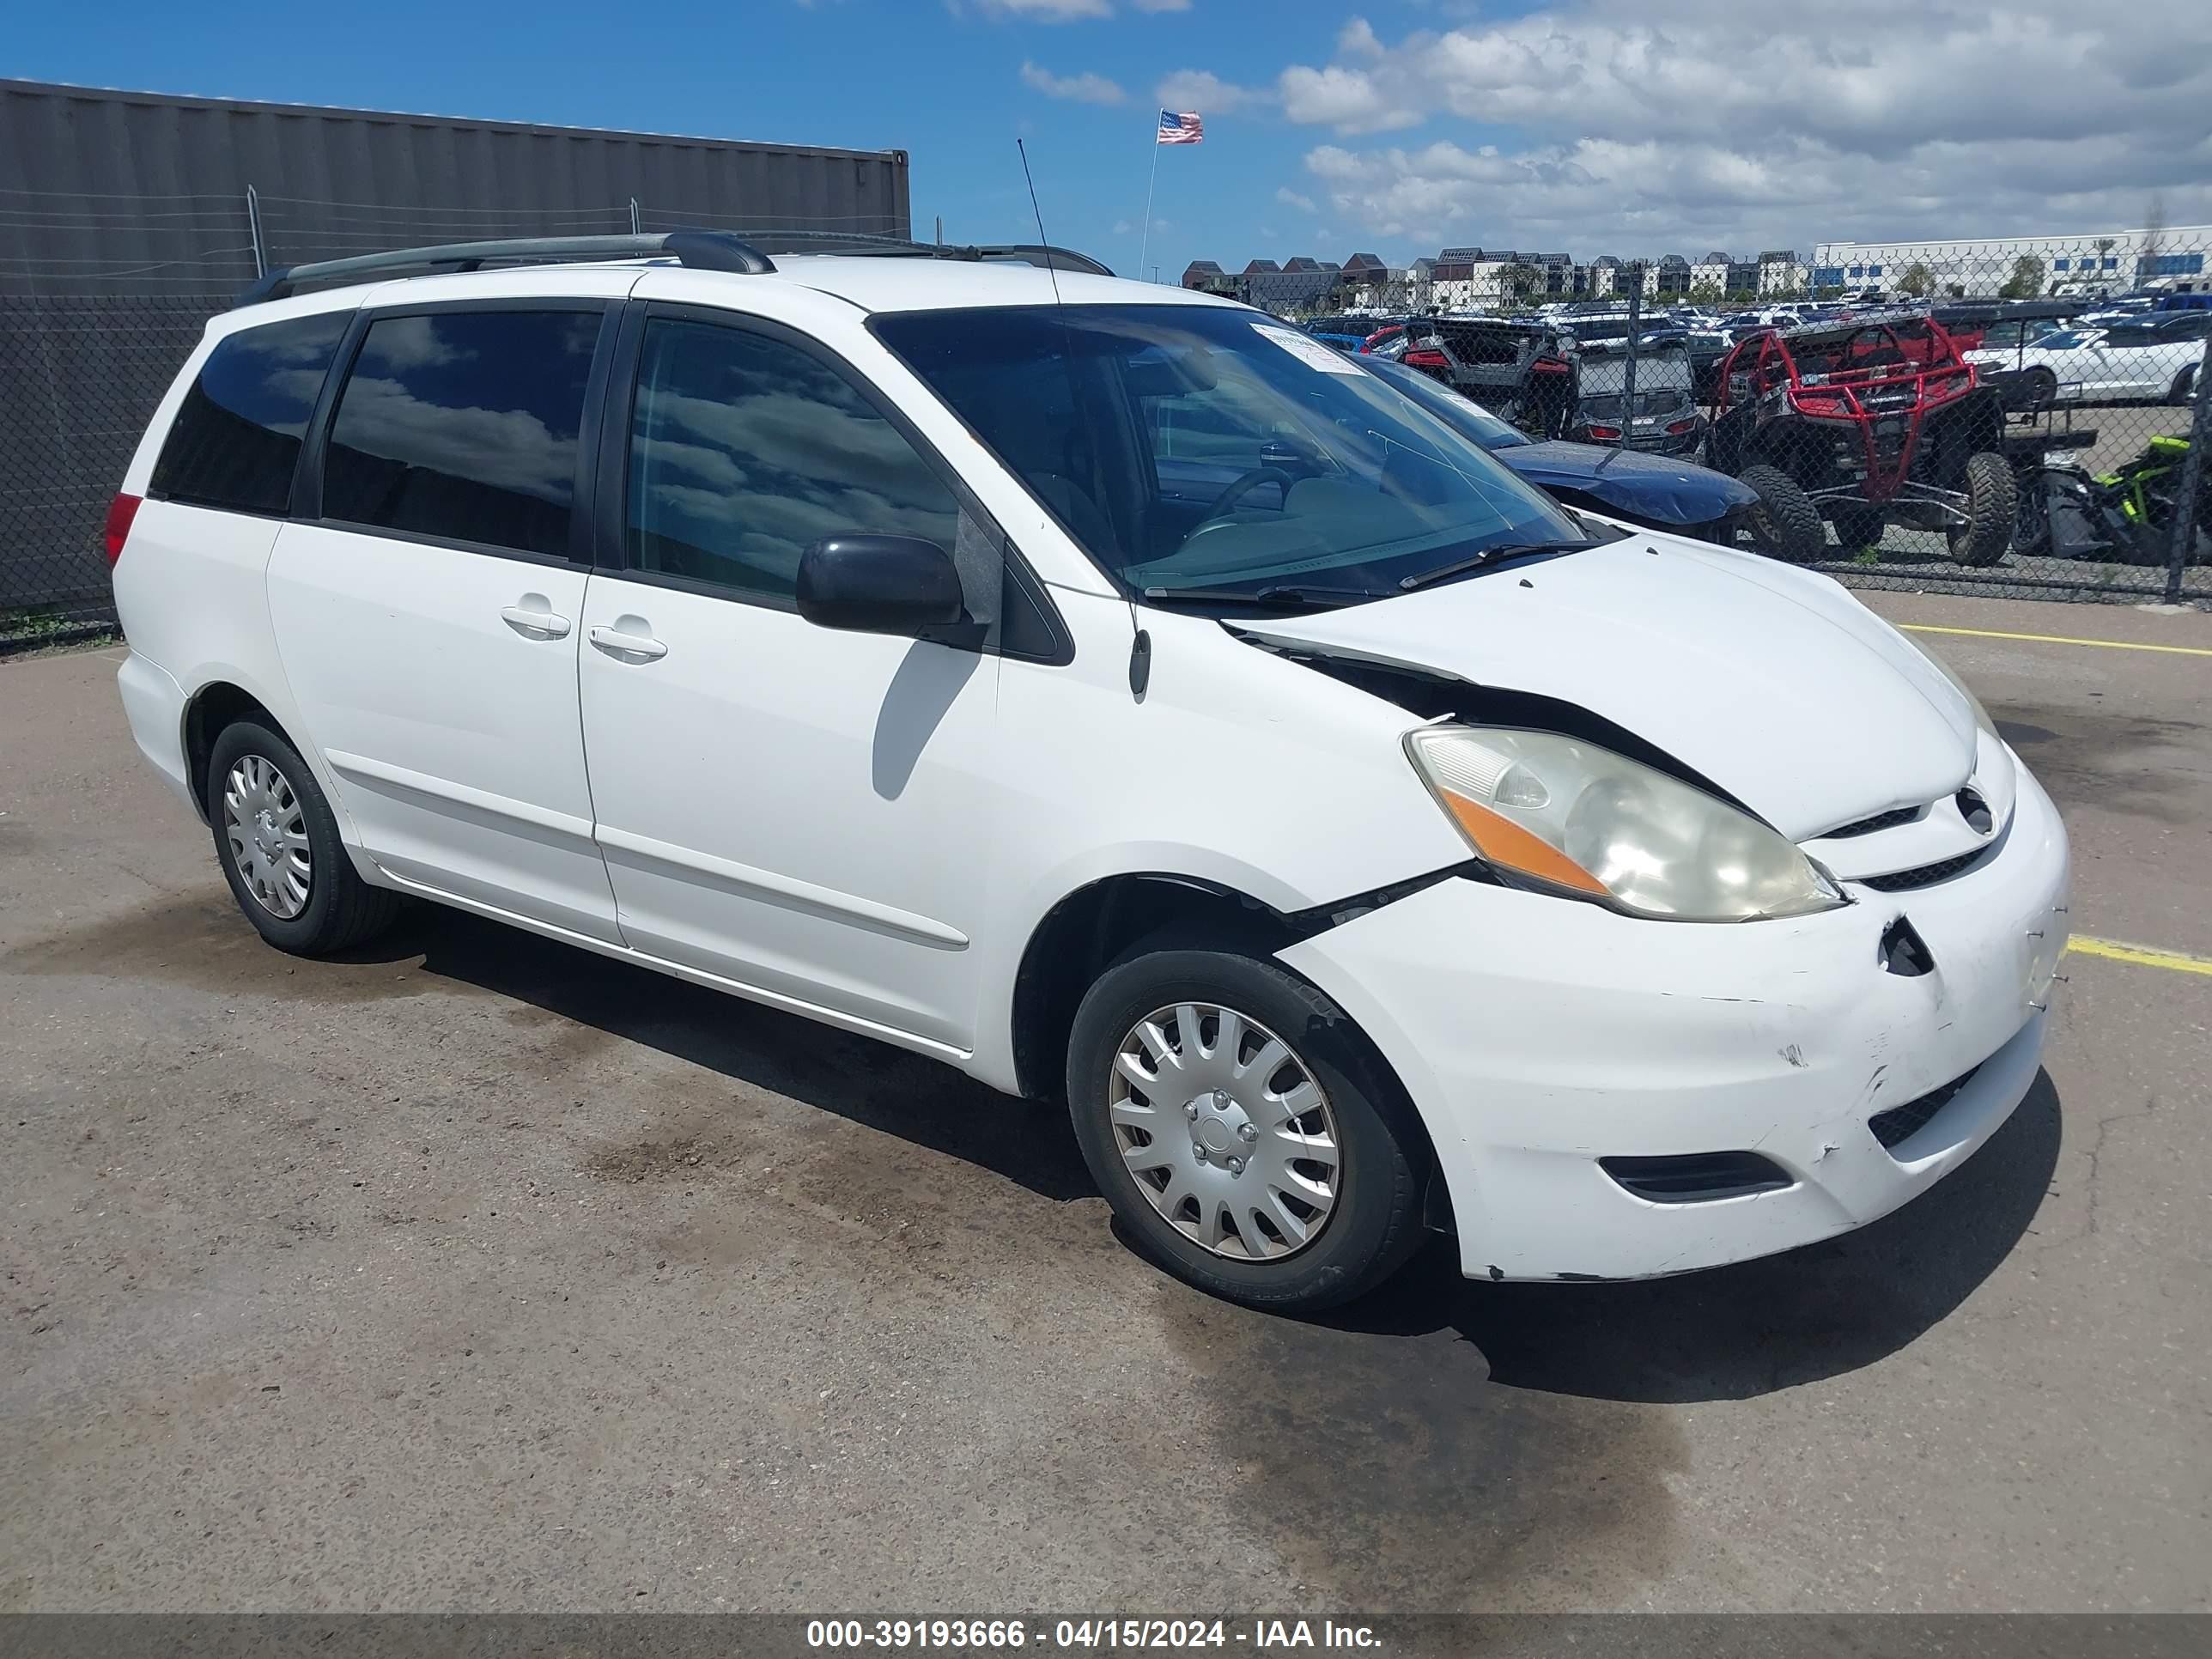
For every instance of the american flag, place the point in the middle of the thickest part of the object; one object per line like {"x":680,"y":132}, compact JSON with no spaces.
{"x":1183,"y":129}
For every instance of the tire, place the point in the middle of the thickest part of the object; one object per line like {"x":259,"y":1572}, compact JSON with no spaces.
{"x":310,"y":912}
{"x":1373,"y":1222}
{"x":1859,"y":525}
{"x":1992,"y":505}
{"x":1783,"y":521}
{"x":2182,"y":384}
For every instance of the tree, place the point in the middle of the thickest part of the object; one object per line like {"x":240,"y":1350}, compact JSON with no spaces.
{"x":1518,"y":279}
{"x":2026,"y":280}
{"x":1916,"y":281}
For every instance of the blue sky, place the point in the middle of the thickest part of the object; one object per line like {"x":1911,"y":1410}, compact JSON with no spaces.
{"x":1588,"y":127}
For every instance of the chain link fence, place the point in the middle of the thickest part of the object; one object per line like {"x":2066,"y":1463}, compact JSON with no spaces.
{"x":2028,"y":424}
{"x":1993,"y":422}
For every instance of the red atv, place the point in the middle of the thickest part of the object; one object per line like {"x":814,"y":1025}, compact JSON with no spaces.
{"x":1863,"y":422}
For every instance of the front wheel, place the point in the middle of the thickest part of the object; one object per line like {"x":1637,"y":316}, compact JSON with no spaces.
{"x":1992,"y":505}
{"x":1247,"y":1137}
{"x":2184,"y":384}
{"x":1783,"y":520}
{"x":277,"y":841}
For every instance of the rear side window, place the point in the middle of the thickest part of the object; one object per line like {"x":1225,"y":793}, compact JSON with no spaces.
{"x":236,"y":439}
{"x":463,"y":425}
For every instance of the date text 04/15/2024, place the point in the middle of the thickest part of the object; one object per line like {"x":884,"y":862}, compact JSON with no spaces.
{"x":1003,"y":1635}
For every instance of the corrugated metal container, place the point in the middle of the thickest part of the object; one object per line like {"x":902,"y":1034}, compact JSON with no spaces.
{"x":124,"y":223}
{"x":108,"y":192}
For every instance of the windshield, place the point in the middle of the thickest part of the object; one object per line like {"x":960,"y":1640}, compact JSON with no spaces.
{"x":2065,"y":340}
{"x":1211,"y":448}
{"x":1463,"y":414}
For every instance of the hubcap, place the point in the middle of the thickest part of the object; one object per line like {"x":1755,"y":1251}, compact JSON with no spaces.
{"x":267,"y":830}
{"x":1226,"y":1131}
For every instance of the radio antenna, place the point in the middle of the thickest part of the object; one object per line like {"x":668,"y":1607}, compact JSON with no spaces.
{"x":1140,"y":643}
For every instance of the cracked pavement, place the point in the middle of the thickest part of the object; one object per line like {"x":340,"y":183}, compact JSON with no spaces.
{"x":480,"y":1274}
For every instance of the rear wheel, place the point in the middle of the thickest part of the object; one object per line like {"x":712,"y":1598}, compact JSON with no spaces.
{"x":1858,"y":525}
{"x":1992,"y":505}
{"x":1246,"y":1135}
{"x":2184,"y":383}
{"x":1783,"y":520}
{"x":277,"y":843}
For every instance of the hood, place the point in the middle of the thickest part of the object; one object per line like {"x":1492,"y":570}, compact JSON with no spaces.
{"x":1649,"y":486}
{"x":1773,"y":683}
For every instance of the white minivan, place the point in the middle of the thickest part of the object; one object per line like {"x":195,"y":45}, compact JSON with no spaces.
{"x":1119,"y":696}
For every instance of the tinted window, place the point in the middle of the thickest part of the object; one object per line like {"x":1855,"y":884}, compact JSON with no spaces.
{"x":463,"y":425}
{"x":744,"y":451}
{"x":237,"y":436}
{"x":1362,"y":486}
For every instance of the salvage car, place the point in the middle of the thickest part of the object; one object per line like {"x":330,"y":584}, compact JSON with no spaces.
{"x":1864,"y":422}
{"x":1366,"y":849}
{"x":1660,"y":492}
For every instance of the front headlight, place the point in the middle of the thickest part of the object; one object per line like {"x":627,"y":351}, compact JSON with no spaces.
{"x":1575,"y":818}
{"x":1981,"y":714}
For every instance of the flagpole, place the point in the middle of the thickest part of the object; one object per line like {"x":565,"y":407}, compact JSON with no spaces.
{"x":1144,"y":244}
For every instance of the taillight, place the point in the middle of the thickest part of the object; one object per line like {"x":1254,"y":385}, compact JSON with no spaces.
{"x":1679,"y":427}
{"x":1424,"y":357}
{"x":1605,"y":432}
{"x":120,"y":512}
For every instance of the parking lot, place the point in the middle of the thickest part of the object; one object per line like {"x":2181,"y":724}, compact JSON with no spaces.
{"x":479,"y":1273}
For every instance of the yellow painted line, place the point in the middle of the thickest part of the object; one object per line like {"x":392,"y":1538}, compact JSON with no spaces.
{"x":2140,"y":954}
{"x":2058,"y":639}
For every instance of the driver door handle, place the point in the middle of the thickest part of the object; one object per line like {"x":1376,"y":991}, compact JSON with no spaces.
{"x":624,"y":646}
{"x":534,"y":625}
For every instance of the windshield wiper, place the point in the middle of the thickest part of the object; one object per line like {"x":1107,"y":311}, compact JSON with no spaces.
{"x":1299,"y":598}
{"x":1490,"y":556}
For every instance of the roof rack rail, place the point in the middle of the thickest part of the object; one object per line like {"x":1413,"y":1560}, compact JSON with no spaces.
{"x":704,"y":250}
{"x":1044,"y":253}
{"x":857,"y":242}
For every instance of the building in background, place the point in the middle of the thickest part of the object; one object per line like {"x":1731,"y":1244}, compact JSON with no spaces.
{"x":2021,"y":266}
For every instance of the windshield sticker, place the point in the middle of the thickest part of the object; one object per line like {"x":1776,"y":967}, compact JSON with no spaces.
{"x":1308,"y":350}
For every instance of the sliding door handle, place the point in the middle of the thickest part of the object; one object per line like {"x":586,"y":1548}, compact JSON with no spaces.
{"x":625,"y":646}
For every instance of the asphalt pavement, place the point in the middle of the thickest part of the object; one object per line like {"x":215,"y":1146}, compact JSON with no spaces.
{"x":479,"y":1273}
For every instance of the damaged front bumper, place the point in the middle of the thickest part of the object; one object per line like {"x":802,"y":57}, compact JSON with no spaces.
{"x":1538,"y":1036}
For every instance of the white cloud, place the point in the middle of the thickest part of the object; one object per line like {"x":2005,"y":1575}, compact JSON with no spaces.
{"x":1290,"y":198}
{"x":1886,"y":117}
{"x":1163,"y":5}
{"x":1207,"y":93}
{"x":1050,"y":11}
{"x":1349,"y":99}
{"x":1083,"y":88}
{"x":1356,"y":40}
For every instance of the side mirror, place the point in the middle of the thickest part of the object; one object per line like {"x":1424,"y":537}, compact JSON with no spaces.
{"x":879,"y":585}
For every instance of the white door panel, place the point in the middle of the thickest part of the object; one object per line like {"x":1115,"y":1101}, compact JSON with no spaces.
{"x":441,"y":686}
{"x":804,"y":810}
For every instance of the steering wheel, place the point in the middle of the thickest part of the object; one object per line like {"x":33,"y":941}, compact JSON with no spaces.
{"x":1244,"y":486}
